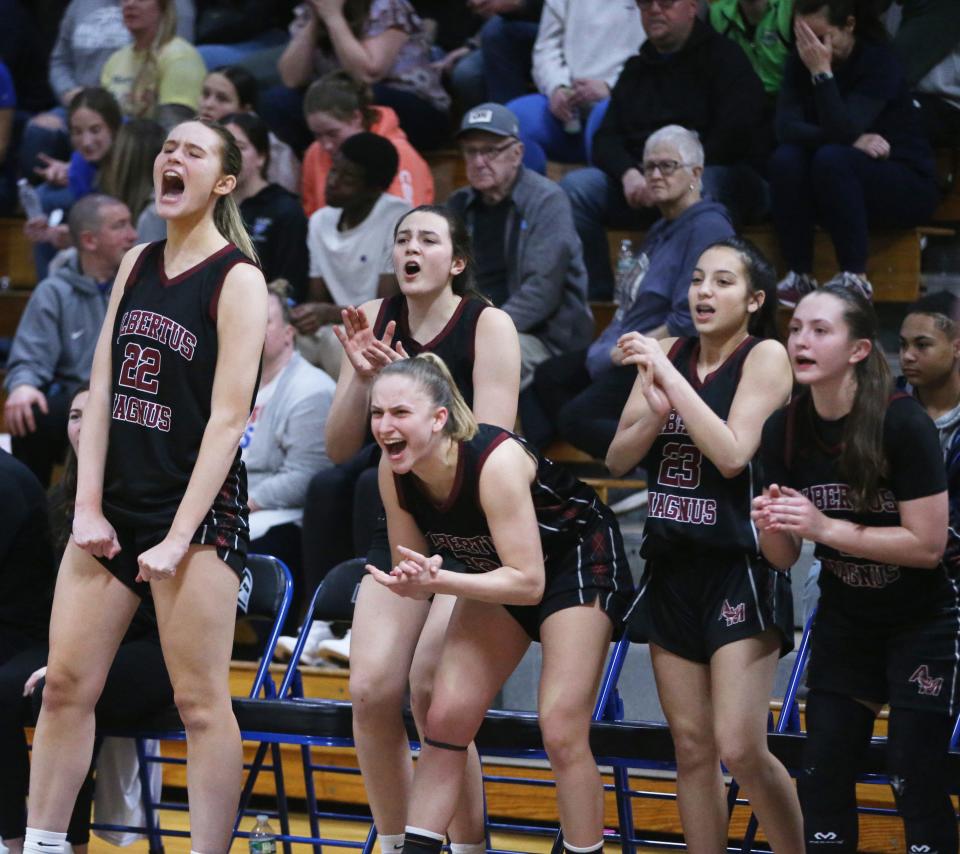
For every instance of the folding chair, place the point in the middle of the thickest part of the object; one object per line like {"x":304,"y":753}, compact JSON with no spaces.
{"x":266,"y":590}
{"x":333,"y":601}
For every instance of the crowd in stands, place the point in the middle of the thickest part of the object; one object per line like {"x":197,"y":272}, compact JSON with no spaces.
{"x":680,"y":120}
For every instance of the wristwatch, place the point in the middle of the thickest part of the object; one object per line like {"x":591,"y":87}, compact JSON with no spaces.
{"x":821,"y":77}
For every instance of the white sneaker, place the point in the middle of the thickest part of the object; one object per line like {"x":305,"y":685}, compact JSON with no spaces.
{"x":335,"y":649}
{"x":319,"y":632}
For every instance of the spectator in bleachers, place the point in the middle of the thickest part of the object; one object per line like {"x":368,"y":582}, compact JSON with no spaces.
{"x":8,"y":104}
{"x":90,"y":32}
{"x":580,"y":50}
{"x":764,"y":29}
{"x":337,"y":106}
{"x":687,"y":74}
{"x":528,"y":257}
{"x":853,"y":153}
{"x":384,"y":44}
{"x":160,"y":68}
{"x":137,"y":683}
{"x":582,"y":394}
{"x":351,"y":245}
{"x":283,"y":444}
{"x":94,"y":119}
{"x":128,"y":175}
{"x":272,"y":214}
{"x":232,"y":89}
{"x":52,"y":351}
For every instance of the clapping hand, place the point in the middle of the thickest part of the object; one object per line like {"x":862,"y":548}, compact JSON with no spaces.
{"x":367,"y":353}
{"x":412,"y":577}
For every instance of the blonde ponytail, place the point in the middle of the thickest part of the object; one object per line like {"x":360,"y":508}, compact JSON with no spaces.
{"x":226,"y":214}
{"x":433,"y":376}
{"x":227,"y":219}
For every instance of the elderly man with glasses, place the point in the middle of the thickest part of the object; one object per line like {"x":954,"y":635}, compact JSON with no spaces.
{"x":685,"y":74}
{"x":528,"y":256}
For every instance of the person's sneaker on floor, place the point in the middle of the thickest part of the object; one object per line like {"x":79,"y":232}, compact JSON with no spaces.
{"x":793,"y":287}
{"x":853,"y":282}
{"x":335,"y":649}
{"x":319,"y":632}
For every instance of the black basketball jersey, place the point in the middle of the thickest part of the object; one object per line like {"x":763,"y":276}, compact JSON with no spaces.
{"x":164,"y":356}
{"x":691,"y":504}
{"x":802,"y":451}
{"x":568,"y":511}
{"x":455,"y":343}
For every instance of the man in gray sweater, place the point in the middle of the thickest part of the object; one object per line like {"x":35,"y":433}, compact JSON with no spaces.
{"x":528,"y":256}
{"x":52,"y":351}
{"x":283,"y":445}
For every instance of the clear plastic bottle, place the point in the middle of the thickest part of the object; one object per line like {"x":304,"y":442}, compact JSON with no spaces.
{"x":621,"y":277}
{"x":29,"y":199}
{"x":262,"y":838}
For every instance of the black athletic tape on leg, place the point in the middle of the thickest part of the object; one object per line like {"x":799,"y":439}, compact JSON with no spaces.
{"x":444,"y":746}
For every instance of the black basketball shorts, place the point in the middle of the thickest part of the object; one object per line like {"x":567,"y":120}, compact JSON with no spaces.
{"x":910,"y":665}
{"x":691,"y":605}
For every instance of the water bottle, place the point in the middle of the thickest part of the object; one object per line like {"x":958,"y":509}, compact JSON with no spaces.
{"x":29,"y":199}
{"x":262,"y":838}
{"x":621,"y":281}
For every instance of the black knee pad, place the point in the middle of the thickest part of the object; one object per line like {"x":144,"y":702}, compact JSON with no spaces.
{"x":917,"y":761}
{"x":838,"y":735}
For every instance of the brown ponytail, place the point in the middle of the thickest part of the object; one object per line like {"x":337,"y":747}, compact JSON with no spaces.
{"x":863,"y":462}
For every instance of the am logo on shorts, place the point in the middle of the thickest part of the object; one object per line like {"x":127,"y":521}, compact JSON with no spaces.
{"x":733,"y":614}
{"x":927,"y":686}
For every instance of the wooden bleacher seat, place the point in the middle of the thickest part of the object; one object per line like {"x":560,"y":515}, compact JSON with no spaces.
{"x":894,"y":268}
{"x":16,"y":259}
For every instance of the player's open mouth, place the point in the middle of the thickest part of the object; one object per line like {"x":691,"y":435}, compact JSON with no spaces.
{"x":804,"y":361}
{"x":171,"y":186}
{"x":704,"y":311}
{"x":411,"y":268}
{"x":394,"y":447}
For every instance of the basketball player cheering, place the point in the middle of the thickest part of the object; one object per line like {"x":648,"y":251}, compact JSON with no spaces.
{"x":544,"y":561}
{"x":717,"y":615}
{"x":161,"y":504}
{"x":858,"y":470}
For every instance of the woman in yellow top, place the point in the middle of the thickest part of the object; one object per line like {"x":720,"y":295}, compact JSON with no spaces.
{"x":159,"y":68}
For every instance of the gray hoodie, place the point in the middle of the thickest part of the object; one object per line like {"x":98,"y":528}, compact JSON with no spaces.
{"x":58,"y":331}
{"x":90,"y":31}
{"x":546,"y":276}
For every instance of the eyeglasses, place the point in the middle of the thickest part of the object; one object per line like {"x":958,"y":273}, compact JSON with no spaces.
{"x":665,"y":167}
{"x":487,"y":153}
{"x":663,"y":4}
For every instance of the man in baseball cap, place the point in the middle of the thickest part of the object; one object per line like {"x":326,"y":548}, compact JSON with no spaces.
{"x":529,"y":260}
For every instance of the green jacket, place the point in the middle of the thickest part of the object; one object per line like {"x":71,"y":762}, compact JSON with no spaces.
{"x":770,"y":43}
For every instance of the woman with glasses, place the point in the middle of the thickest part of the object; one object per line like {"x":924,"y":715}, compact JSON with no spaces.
{"x":580,"y":395}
